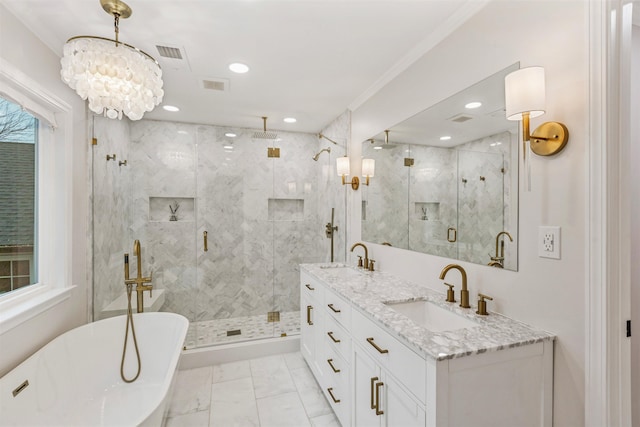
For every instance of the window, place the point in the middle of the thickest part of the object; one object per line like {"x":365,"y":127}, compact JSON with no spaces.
{"x":18,"y":152}
{"x":49,"y":267}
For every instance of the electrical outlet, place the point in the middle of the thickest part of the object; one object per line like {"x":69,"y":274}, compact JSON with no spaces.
{"x":549,"y":242}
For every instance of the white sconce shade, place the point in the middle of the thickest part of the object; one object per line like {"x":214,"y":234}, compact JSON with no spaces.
{"x":524,"y":91}
{"x":342,"y":166}
{"x":368,"y":167}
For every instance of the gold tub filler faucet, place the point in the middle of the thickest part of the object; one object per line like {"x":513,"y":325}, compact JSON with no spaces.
{"x":139,"y":281}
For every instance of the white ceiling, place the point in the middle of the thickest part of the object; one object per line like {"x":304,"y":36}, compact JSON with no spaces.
{"x":309,"y":59}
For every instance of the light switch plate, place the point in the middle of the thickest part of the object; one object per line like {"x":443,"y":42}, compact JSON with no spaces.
{"x":549,"y":242}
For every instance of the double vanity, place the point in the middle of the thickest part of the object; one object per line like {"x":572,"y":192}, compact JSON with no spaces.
{"x":388,"y":352}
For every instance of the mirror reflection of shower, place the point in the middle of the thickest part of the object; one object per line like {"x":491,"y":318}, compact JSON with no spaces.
{"x":330,"y":230}
{"x":317,"y":156}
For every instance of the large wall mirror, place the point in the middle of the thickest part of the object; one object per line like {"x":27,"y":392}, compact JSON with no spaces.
{"x":446,"y":180}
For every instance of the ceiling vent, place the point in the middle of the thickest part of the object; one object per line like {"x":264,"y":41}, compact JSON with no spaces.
{"x":173,"y":57}
{"x":169,"y":52}
{"x":220,"y":85}
{"x":461,"y":118}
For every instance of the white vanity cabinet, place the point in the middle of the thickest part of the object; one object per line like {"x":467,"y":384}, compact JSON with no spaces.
{"x":368,"y":364}
{"x":325,"y":343}
{"x":311,"y":322}
{"x":379,"y":399}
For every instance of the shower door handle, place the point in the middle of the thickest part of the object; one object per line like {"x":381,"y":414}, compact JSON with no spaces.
{"x":204,"y":236}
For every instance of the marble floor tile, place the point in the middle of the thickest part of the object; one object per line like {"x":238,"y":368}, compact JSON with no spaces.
{"x":315,"y":404}
{"x":282,"y":410}
{"x":294,"y":360}
{"x":274,"y":391}
{"x":329,"y":420}
{"x":192,"y":391}
{"x":271,"y":376}
{"x":233,"y":403}
{"x":231,"y":371}
{"x":194,"y":419}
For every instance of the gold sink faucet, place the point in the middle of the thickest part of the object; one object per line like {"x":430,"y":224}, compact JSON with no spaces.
{"x":139,"y":281}
{"x":464,"y":292}
{"x":366,"y":254}
{"x":498,"y":259}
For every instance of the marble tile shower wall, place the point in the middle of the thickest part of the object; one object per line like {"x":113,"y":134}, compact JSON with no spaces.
{"x":332,"y":194}
{"x":484,"y":205}
{"x":252,"y":258}
{"x":112,"y":208}
{"x":433,"y":187}
{"x":384,"y":201}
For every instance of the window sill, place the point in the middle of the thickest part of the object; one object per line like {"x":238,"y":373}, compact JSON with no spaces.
{"x":20,"y":306}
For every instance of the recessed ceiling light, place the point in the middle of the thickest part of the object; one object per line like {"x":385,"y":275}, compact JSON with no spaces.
{"x":290,"y":120}
{"x":445,"y":138}
{"x":183,"y":132}
{"x":377,"y":148}
{"x":472,"y":105}
{"x":230,"y":135}
{"x":171,"y":108}
{"x":239,"y":68}
{"x":228,"y":147}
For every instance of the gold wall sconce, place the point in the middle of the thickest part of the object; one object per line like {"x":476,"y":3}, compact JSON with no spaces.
{"x":525,"y":98}
{"x":343,"y":168}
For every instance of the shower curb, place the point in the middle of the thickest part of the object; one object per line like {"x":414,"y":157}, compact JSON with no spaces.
{"x":226,"y":353}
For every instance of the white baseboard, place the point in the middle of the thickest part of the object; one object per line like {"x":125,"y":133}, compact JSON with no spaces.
{"x":214,"y":355}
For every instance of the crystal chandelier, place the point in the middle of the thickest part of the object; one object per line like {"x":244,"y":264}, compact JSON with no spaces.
{"x":115,"y":77}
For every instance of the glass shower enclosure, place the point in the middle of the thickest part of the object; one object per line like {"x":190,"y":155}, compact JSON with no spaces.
{"x":223,"y":221}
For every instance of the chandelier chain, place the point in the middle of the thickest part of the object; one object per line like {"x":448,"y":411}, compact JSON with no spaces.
{"x":116,"y":24}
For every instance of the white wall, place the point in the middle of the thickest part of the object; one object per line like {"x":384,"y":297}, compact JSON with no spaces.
{"x":548,"y":294}
{"x":22,"y":49}
{"x":635,"y":220}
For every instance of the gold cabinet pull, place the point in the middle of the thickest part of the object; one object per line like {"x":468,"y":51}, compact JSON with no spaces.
{"x":308,"y":286}
{"x":330,"y":390}
{"x":309,"y":308}
{"x":332,"y":337}
{"x":370,"y":341}
{"x":373,"y":402}
{"x":455,"y":234}
{"x":335,"y":310}
{"x":378,"y":386}
{"x":330,"y":362}
{"x":204,"y":236}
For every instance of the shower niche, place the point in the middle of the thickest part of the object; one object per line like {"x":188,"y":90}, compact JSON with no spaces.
{"x":171,"y":209}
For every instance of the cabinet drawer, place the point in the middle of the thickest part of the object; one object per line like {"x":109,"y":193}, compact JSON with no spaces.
{"x":335,"y":367}
{"x":338,"y":397}
{"x":336,"y":337}
{"x":310,"y":288}
{"x":404,"y":364}
{"x":338,"y":308}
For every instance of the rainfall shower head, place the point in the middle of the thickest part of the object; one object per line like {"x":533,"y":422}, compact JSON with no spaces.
{"x":317,"y":156}
{"x":264,"y":134}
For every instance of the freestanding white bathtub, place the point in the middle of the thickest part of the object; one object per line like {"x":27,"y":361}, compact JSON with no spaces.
{"x":75,"y":379}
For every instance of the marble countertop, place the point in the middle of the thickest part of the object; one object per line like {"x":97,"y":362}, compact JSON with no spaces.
{"x":370,"y":291}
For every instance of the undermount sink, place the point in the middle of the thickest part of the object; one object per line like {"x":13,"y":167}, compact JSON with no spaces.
{"x":431,"y":316}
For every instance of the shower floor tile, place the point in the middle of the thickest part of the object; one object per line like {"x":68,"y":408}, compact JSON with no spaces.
{"x":211,"y":332}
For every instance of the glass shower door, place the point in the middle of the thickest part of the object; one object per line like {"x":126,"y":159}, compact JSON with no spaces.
{"x":235,"y":271}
